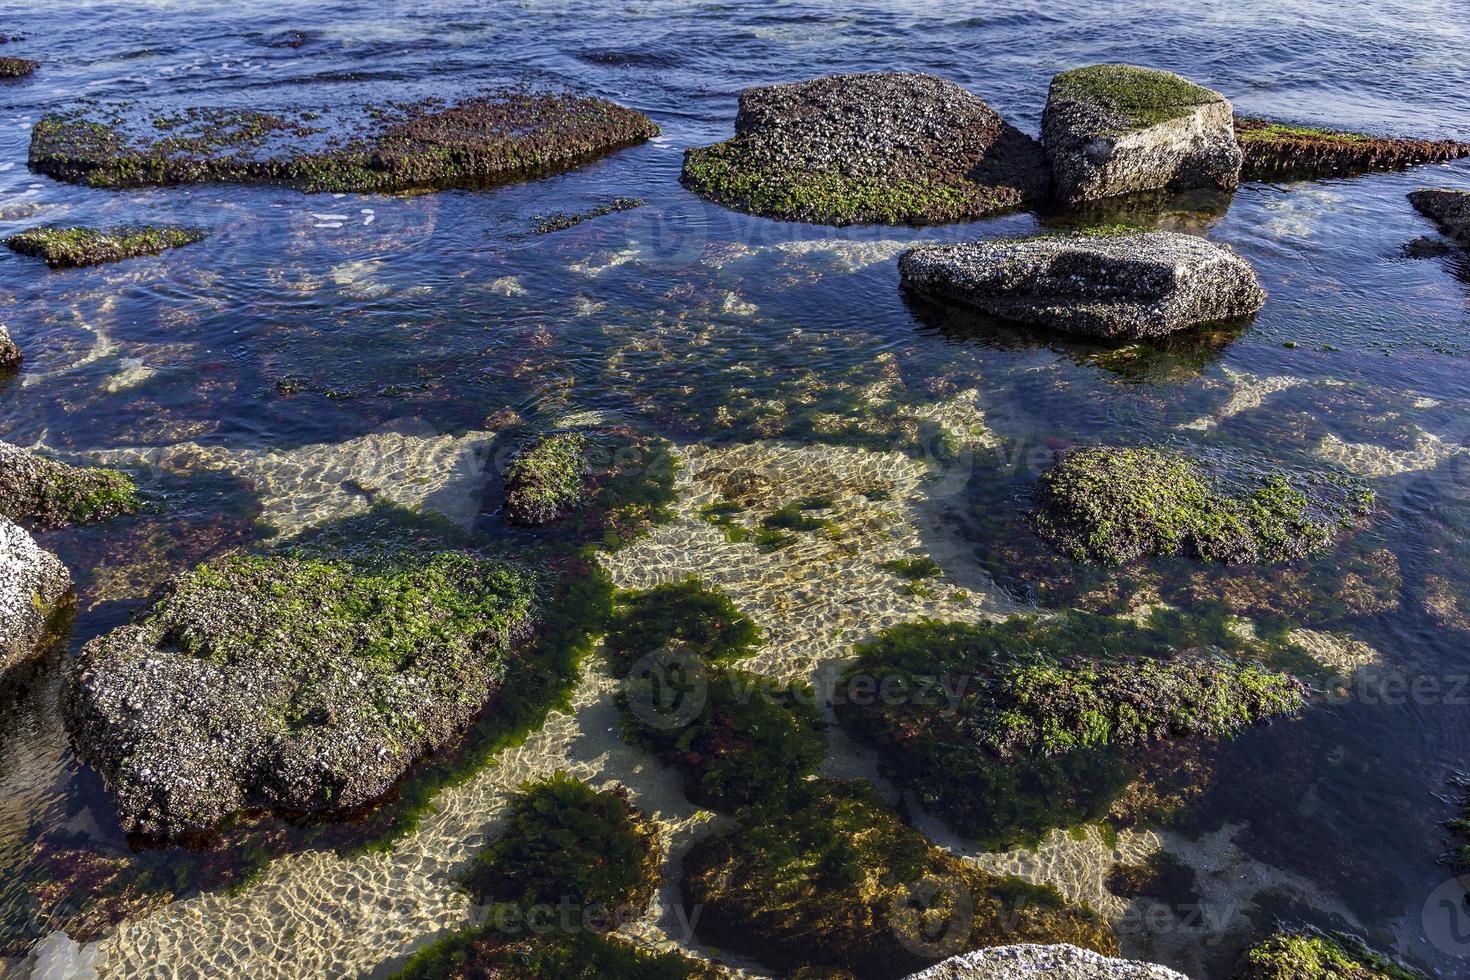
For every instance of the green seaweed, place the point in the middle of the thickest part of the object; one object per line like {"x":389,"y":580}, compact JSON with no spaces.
{"x":838,"y":881}
{"x":1133,"y":97}
{"x":700,"y":620}
{"x":45,"y":494}
{"x":67,"y":248}
{"x":546,"y":479}
{"x":544,"y":224}
{"x":473,"y":954}
{"x":1312,"y":955}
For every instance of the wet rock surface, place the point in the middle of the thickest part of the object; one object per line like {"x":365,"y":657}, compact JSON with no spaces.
{"x":488,"y":139}
{"x":1277,"y":150}
{"x":292,"y":682}
{"x":1120,"y":129}
{"x":67,"y":248}
{"x":1110,"y":285}
{"x":1025,"y":961}
{"x":546,"y":479}
{"x":889,"y":148}
{"x":44,"y":494}
{"x":1448,"y":209}
{"x":34,"y":587}
{"x":17,"y":67}
{"x":10,"y":354}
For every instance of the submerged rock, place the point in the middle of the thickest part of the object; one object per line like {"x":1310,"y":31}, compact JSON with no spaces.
{"x":1113,"y":506}
{"x":487,"y":139}
{"x":67,"y":248}
{"x":1448,"y":209}
{"x":839,"y":882}
{"x":1030,"y":961}
{"x":883,"y":148}
{"x":34,"y":589}
{"x":10,"y":356}
{"x":546,"y":479}
{"x":293,"y":682}
{"x":1311,"y":955}
{"x":45,"y":494}
{"x":1119,"y":129}
{"x":1112,"y":284}
{"x":1275,"y":149}
{"x":17,"y":67}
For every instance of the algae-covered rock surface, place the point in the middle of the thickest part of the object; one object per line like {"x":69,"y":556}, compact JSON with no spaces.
{"x":1033,"y":961}
{"x":34,"y":589}
{"x":68,"y":248}
{"x":17,"y":67}
{"x":1115,"y":285}
{"x":1450,"y":210}
{"x":482,"y":140}
{"x":546,"y":479}
{"x":476,"y":955}
{"x":879,"y":148}
{"x":296,"y":682}
{"x":1282,"y":150}
{"x":1115,"y":505}
{"x":44,"y":494}
{"x":1120,"y":129}
{"x":1311,"y":955}
{"x":1007,"y":730}
{"x":839,"y":882}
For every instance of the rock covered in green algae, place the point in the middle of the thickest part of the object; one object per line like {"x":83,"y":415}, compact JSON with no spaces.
{"x":1114,"y":285}
{"x":882,"y":148}
{"x":1448,"y":209}
{"x":68,"y":248}
{"x":1007,"y":730}
{"x":1276,"y":150}
{"x":546,"y":479}
{"x":753,"y":740}
{"x":34,"y":589}
{"x":44,"y":494}
{"x":296,"y":682}
{"x":570,"y":843}
{"x":1311,"y":955}
{"x":1031,"y":961}
{"x":1120,"y":129}
{"x":687,"y":614}
{"x":487,"y":139}
{"x":1114,"y":505}
{"x":17,"y":67}
{"x":10,"y":355}
{"x":840,"y":882}
{"x":576,"y":955}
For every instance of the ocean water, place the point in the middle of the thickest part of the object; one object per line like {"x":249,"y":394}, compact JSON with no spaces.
{"x":410,"y":325}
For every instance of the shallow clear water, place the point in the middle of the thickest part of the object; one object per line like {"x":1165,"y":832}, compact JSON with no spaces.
{"x":412,"y":323}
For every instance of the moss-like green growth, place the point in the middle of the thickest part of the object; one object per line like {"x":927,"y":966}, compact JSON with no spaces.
{"x":569,"y":845}
{"x":1276,"y":150}
{"x":483,"y":140}
{"x":753,"y":740}
{"x":700,"y":620}
{"x":478,"y":954}
{"x":838,"y":881}
{"x":44,"y":494}
{"x":1117,"y":505}
{"x":1318,"y":956}
{"x":67,"y":248}
{"x":17,"y":67}
{"x":913,"y":569}
{"x":544,"y":224}
{"x":546,"y":479}
{"x":1130,"y":96}
{"x":1010,"y":729}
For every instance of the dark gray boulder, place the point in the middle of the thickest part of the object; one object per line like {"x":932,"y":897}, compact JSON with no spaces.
{"x":882,"y":148}
{"x":1113,"y":285}
{"x":1033,"y":961}
{"x":1448,"y":209}
{"x":294,"y":682}
{"x":1120,"y":129}
{"x":10,"y":356}
{"x":35,"y":588}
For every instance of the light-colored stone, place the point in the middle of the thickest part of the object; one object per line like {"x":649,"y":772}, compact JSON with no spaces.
{"x":1025,"y":961}
{"x":33,"y":585}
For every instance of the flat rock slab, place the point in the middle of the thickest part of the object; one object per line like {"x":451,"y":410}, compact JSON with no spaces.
{"x":1448,"y":209}
{"x":1032,"y":961}
{"x":34,"y":586}
{"x":881,"y":148}
{"x":1125,"y":286}
{"x":69,"y":248}
{"x":480,"y":141}
{"x":1121,"y":129}
{"x":1276,"y":150}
